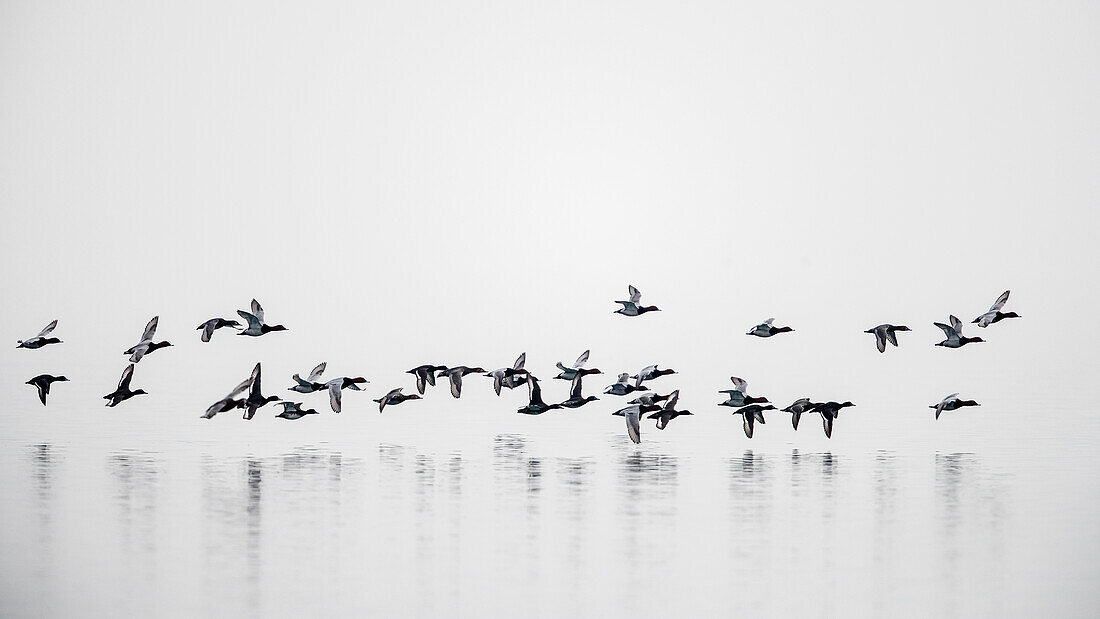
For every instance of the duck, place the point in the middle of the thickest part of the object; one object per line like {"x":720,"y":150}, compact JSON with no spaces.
{"x":567,"y":373}
{"x":950,"y":403}
{"x":42,"y":382}
{"x":310,"y":384}
{"x":650,"y":372}
{"x":123,"y":392}
{"x":41,"y":339}
{"x":633,"y":307}
{"x":736,"y":396}
{"x":229,"y":402}
{"x":146,"y":345}
{"x":955,"y":338}
{"x":394,"y":397}
{"x":337,"y":385}
{"x":501,"y":374}
{"x":535,"y":406}
{"x":995,"y":315}
{"x":425,"y":374}
{"x":256,"y":325}
{"x":668,"y":412}
{"x":765,"y":329}
{"x":255,"y":399}
{"x":294,"y":410}
{"x":796,"y":408}
{"x":885,"y":333}
{"x":455,"y":375}
{"x":623,"y":386}
{"x":633,"y":415}
{"x":751,"y":414}
{"x":210,"y":326}
{"x":576,"y":400}
{"x":829,"y":412}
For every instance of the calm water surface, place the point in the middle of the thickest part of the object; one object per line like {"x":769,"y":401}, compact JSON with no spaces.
{"x":455,"y":510}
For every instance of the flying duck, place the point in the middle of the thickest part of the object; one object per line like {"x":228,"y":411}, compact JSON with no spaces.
{"x":455,"y":375}
{"x":146,"y":345}
{"x":623,"y":386}
{"x":829,"y":412}
{"x":294,"y":410}
{"x":255,"y":399}
{"x":633,"y":415}
{"x":650,"y":372}
{"x":40,"y":340}
{"x":567,"y":373}
{"x":122,"y":392}
{"x":536,"y":406}
{"x":256,"y":325}
{"x":337,"y":385}
{"x":633,"y":307}
{"x":668,"y":412}
{"x":751,"y":414}
{"x":210,"y":326}
{"x":394,"y":397}
{"x":737,"y":397}
{"x":951,"y":403}
{"x":42,"y":382}
{"x":309,"y":385}
{"x":765,"y":329}
{"x":995,"y":314}
{"x":425,"y":373}
{"x":799,"y":406}
{"x":500,"y":375}
{"x":885,"y":333}
{"x":576,"y":400}
{"x":955,"y":338}
{"x":229,"y":402}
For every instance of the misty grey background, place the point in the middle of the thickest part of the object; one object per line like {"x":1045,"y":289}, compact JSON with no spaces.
{"x":406,"y":183}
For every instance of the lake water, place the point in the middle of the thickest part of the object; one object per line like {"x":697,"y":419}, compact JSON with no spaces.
{"x":463,"y":508}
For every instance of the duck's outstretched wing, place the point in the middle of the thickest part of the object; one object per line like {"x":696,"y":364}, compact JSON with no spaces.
{"x":1000,"y":303}
{"x":633,"y":423}
{"x":254,"y":322}
{"x":150,"y":329}
{"x":334,"y":395}
{"x":890,"y":336}
{"x":739,"y":383}
{"x":127,"y":374}
{"x":48,"y":329}
{"x":575,"y":388}
{"x":950,"y":332}
{"x":518,"y":365}
{"x":254,"y":382}
{"x":635,"y":294}
{"x":581,"y":360}
{"x":316,"y":372}
{"x":880,"y":339}
{"x":208,"y":329}
{"x":956,"y":324}
{"x":43,"y":388}
{"x":257,"y":310}
{"x":456,"y":383}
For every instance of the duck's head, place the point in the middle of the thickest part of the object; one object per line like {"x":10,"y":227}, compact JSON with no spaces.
{"x":413,"y":397}
{"x":140,"y":392}
{"x":752,"y":400}
{"x":971,"y":340}
{"x":783,"y":329}
{"x":845,"y":405}
{"x":481,"y":369}
{"x":968,"y":403}
{"x":278,"y":328}
{"x":902,"y":328}
{"x":767,"y":407}
{"x":61,"y":378}
{"x":590,"y":398}
{"x":1011,"y":315}
{"x":649,"y":308}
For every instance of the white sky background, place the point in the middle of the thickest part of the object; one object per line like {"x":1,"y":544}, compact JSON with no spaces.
{"x":464,"y":181}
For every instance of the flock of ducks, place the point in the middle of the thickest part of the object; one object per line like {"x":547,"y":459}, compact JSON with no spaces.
{"x":248,"y":395}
